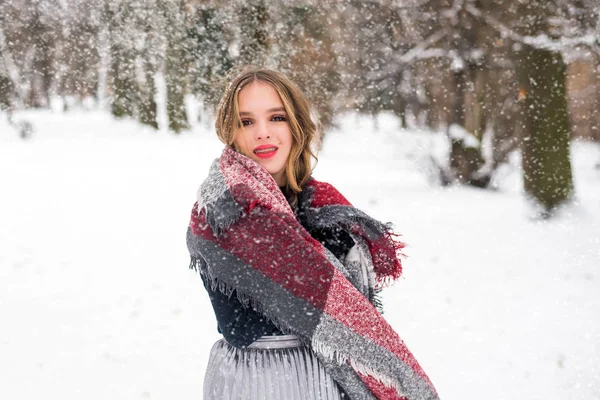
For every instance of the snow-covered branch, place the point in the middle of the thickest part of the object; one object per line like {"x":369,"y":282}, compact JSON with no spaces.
{"x":543,"y":41}
{"x":423,"y":50}
{"x":403,"y":4}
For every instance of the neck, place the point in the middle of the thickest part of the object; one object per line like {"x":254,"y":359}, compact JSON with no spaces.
{"x":280,"y":178}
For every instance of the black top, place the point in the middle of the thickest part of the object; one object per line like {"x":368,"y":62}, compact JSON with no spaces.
{"x":241,"y":326}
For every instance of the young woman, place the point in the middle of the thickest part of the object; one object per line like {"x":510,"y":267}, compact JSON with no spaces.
{"x":291,"y":268}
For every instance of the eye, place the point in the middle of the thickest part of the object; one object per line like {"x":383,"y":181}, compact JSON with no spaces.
{"x":278,"y":118}
{"x":246,"y":122}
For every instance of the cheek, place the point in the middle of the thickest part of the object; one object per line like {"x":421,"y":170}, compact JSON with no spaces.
{"x":240,"y":143}
{"x":288,"y":147}
{"x":288,"y":138}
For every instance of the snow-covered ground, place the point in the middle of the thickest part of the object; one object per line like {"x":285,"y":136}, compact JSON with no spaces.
{"x":96,"y":300}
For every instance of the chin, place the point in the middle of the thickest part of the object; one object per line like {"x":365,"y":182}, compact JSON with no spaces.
{"x":274,"y":172}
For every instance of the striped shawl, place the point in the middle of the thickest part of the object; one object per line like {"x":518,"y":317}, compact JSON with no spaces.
{"x":244,"y":236}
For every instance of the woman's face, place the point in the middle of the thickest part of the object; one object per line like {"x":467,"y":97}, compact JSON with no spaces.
{"x":265,"y":135}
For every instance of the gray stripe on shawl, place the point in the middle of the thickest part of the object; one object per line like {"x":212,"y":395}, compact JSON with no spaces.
{"x":251,"y":285}
{"x":347,"y":378}
{"x":214,"y":196}
{"x":363,"y":349}
{"x":343,"y":216}
{"x":354,"y":270}
{"x":343,"y":268}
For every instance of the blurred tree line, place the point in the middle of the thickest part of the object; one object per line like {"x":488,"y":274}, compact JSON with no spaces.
{"x":493,"y":76}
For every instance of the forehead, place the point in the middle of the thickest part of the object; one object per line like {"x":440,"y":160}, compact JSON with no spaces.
{"x":258,"y":96}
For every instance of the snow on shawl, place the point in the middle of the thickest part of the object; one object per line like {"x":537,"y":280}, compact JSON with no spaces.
{"x":244,"y":236}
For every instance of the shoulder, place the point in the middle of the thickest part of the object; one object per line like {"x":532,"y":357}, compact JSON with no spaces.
{"x":324,"y":194}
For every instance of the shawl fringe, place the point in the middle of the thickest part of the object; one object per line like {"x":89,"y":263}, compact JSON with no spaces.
{"x":247,"y":301}
{"x":341,"y":358}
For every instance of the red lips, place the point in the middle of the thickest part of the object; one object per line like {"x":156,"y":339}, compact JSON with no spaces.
{"x":265,"y":150}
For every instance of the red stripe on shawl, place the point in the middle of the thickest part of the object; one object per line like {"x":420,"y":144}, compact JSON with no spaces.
{"x":365,"y":321}
{"x":385,"y":251}
{"x":250,"y":184}
{"x":380,"y":390}
{"x":198,"y":222}
{"x":285,"y":261}
{"x":326,"y":195}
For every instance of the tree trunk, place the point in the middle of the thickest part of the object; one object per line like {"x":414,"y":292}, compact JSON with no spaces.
{"x":545,"y":146}
{"x":147,"y":88}
{"x":123,"y":84}
{"x":210,"y":54}
{"x":43,"y":41}
{"x":147,"y":104}
{"x":176,"y":70}
{"x":255,"y":38}
{"x":465,"y":132}
{"x":122,"y":60}
{"x":6,"y":91}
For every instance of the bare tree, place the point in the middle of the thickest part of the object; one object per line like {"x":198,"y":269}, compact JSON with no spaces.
{"x":120,"y":17}
{"x":176,"y":64}
{"x":305,"y":39}
{"x":253,"y":19}
{"x":210,"y":37}
{"x":7,"y":86}
{"x":43,"y":27}
{"x":541,"y":75}
{"x":78,"y":50}
{"x":150,"y":55}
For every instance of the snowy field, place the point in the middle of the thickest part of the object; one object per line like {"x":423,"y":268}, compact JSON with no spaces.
{"x":96,"y":301}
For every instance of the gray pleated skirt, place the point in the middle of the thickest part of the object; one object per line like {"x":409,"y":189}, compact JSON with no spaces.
{"x":272,"y":368}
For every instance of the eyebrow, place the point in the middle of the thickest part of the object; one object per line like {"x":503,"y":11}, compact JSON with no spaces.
{"x":270,"y":110}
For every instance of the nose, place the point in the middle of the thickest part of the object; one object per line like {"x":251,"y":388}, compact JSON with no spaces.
{"x":262,"y":131}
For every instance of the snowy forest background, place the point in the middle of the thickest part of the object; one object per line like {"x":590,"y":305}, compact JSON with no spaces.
{"x":519,"y":74}
{"x":472,"y":125}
